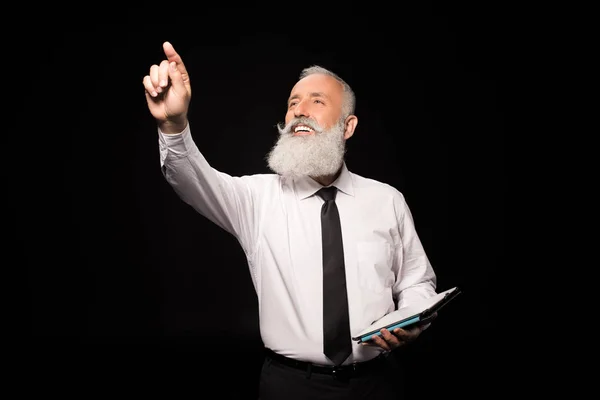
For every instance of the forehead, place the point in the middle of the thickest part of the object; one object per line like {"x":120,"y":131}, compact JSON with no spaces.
{"x":318,"y":83}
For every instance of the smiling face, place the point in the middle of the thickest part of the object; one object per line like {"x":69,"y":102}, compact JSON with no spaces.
{"x":317,"y":97}
{"x":318,"y":121}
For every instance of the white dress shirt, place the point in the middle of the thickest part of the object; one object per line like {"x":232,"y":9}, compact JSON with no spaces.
{"x":277,"y":223}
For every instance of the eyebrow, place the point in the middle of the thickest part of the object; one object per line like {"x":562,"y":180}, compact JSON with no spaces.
{"x":313,"y":94}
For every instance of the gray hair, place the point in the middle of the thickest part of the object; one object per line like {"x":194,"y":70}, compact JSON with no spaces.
{"x":349,"y":103}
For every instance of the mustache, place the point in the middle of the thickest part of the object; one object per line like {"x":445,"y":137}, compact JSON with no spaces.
{"x":286,"y":129}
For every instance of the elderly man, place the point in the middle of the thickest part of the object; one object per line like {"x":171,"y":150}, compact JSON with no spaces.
{"x":329,"y":251}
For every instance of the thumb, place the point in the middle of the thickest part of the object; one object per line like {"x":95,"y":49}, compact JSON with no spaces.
{"x":177,"y":80}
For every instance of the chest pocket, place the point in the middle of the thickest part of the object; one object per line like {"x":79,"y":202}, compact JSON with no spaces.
{"x":374,"y":259}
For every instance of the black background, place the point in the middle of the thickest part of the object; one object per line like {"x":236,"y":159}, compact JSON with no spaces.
{"x":130,"y":291}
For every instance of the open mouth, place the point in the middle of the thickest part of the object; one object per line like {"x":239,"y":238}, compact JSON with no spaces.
{"x":301,"y":130}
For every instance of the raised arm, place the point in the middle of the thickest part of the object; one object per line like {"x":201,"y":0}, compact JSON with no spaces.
{"x":227,"y":201}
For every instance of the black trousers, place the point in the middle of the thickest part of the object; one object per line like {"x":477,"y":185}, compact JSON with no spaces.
{"x":282,"y":382}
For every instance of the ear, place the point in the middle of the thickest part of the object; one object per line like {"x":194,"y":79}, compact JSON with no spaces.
{"x":351,"y":123}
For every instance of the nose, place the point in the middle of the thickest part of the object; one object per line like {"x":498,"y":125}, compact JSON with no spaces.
{"x":301,"y":109}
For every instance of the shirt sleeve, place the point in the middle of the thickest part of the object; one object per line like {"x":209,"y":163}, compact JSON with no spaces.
{"x":225,"y":200}
{"x":415,"y":277}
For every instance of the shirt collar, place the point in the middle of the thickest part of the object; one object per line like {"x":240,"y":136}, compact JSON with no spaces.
{"x":306,"y":186}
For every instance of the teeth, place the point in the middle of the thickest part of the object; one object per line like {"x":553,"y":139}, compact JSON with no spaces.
{"x":302,"y":129}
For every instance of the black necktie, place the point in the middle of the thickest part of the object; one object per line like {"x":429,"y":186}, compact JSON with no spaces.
{"x":337,"y":344}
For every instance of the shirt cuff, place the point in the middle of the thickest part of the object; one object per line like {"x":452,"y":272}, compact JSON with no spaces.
{"x":178,"y":144}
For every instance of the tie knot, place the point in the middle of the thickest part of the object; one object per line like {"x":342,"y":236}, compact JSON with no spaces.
{"x":327,"y":193}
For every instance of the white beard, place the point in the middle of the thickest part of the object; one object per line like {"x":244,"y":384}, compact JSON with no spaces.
{"x":318,"y":154}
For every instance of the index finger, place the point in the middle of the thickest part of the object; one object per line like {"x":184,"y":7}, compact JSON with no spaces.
{"x":172,"y":55}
